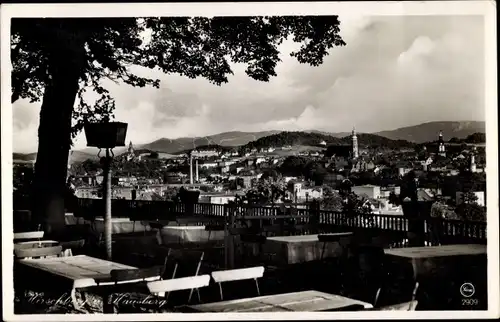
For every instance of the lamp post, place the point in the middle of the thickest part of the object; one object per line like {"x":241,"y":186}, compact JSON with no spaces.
{"x":106,"y":135}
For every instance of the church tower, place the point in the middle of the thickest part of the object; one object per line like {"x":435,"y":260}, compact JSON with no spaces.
{"x":355,"y":152}
{"x":130,"y":151}
{"x":473,"y":160}
{"x":441,"y":148}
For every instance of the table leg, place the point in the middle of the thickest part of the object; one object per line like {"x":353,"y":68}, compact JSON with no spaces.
{"x":415,"y":269}
{"x":75,"y":301}
{"x":107,"y":306}
{"x":323,"y":250}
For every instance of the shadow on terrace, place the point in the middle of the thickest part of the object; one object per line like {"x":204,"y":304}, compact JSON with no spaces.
{"x":364,"y":261}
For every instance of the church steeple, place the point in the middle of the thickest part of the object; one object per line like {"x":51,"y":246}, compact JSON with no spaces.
{"x":355,"y":152}
{"x":473,"y":160}
{"x":441,"y":148}
{"x":130,"y":152}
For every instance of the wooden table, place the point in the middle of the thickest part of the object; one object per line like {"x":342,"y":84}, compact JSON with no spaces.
{"x":306,"y":301}
{"x":189,"y":234}
{"x":424,"y":259}
{"x":298,"y":249}
{"x":81,"y":271}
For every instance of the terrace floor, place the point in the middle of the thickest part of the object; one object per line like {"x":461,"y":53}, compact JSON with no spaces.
{"x":358,"y":277}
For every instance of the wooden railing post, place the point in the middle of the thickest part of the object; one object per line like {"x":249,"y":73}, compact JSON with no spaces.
{"x":314,"y":213}
{"x":228,"y":237}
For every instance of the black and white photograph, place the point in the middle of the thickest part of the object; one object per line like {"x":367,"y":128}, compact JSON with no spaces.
{"x":265,"y":160}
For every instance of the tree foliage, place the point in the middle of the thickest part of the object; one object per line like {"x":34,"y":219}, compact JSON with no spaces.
{"x":265,"y":192}
{"x":469,"y":209}
{"x":297,"y":166}
{"x":189,"y":46}
{"x":313,"y":139}
{"x":59,"y":60}
{"x":331,"y":200}
{"x":441,"y":210}
{"x":477,"y":137}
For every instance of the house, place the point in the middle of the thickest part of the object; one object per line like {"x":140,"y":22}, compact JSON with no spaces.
{"x":126,"y":181}
{"x":404,"y":171}
{"x":260,"y":160}
{"x":204,"y":153}
{"x":379,"y":168}
{"x":309,"y":193}
{"x":371,"y":191}
{"x":479,"y":195}
{"x":217,"y":198}
{"x":86,"y":192}
{"x":384,"y":207}
{"x":427,"y":161}
{"x":247,"y":180}
{"x":208,"y":165}
{"x":425,"y":195}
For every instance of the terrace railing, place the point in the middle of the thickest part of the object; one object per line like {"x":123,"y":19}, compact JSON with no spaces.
{"x":435,"y":230}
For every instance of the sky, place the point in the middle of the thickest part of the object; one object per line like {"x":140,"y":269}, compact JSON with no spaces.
{"x":395,"y":71}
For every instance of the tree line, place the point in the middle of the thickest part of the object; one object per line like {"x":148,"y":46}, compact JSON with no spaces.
{"x":314,"y":139}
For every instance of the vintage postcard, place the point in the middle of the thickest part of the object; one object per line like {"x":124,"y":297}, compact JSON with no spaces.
{"x":277,"y":161}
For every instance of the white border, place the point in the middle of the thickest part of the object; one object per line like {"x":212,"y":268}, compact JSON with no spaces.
{"x":484,"y":8}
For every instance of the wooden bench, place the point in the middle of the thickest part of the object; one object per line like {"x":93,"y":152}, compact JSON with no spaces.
{"x":36,"y":244}
{"x":163,"y":287}
{"x":28,"y":235}
{"x":123,"y":281}
{"x":43,"y":252}
{"x":237,"y":275}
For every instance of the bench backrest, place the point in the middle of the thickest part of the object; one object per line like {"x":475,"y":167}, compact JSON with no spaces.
{"x":73,"y":244}
{"x":41,"y":252}
{"x":118,"y":275}
{"x":238,"y":274}
{"x":214,"y":227}
{"x":36,"y":244}
{"x":156,"y":225}
{"x":29,"y":235}
{"x":178,"y":284}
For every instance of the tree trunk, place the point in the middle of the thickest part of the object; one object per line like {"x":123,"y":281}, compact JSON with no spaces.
{"x":54,"y":132}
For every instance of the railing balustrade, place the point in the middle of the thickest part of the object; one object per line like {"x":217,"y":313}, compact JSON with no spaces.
{"x":455,"y":230}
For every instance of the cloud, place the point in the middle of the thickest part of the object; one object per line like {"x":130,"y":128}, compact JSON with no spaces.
{"x":394,"y":72}
{"x":421,"y":48}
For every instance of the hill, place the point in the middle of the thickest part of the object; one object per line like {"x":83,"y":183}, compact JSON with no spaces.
{"x":334,"y":134}
{"x":76,"y":156}
{"x":24,"y":156}
{"x":314,"y":138}
{"x":373,"y":140}
{"x":93,"y":151}
{"x":226,"y":139}
{"x":428,"y":132}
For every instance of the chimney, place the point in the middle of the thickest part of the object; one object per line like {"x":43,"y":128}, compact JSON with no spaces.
{"x":197,"y":172}
{"x":190,"y":168}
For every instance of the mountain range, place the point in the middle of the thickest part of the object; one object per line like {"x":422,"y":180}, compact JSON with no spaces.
{"x":420,"y":133}
{"x":427,"y":132}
